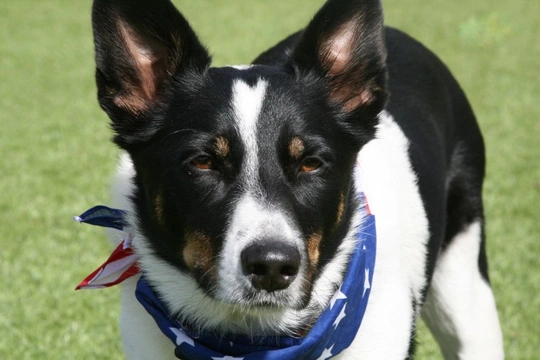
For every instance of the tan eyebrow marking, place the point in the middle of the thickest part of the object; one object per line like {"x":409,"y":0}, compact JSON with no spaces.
{"x":222,"y":146}
{"x":296,"y":147}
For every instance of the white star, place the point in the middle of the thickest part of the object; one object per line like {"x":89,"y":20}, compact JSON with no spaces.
{"x":181,"y":337}
{"x":340,"y":317}
{"x":327,"y":354}
{"x":337,"y":296}
{"x":227,"y":358}
{"x":366,"y":282}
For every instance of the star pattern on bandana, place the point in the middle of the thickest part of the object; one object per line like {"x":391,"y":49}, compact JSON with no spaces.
{"x":340,"y":317}
{"x":327,"y":353}
{"x":337,"y":296}
{"x":181,"y":337}
{"x":367,"y":285}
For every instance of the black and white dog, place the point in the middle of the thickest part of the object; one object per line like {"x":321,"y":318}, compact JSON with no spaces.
{"x":240,"y":181}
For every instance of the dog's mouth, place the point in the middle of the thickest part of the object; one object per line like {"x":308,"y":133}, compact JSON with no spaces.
{"x":243,"y":294}
{"x":258,"y":316}
{"x":271,"y":301}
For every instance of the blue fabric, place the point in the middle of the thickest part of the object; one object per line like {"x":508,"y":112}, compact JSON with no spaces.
{"x":333,"y":332}
{"x":104,"y":216}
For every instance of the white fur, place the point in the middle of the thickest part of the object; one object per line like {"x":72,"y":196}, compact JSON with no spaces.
{"x":390,"y":185}
{"x":251,"y":221}
{"x":460,"y":308}
{"x":247,"y":103}
{"x":240,"y":67}
{"x":141,"y":338}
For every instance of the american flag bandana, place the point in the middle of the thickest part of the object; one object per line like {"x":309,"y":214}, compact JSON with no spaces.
{"x":332,"y":333}
{"x":122,"y":263}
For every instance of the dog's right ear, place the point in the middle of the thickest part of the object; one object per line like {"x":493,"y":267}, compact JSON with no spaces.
{"x":140,"y":47}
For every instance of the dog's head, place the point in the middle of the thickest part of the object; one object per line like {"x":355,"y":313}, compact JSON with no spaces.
{"x":243,"y":175}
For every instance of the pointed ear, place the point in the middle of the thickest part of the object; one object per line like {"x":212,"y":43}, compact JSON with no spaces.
{"x":140,"y":46}
{"x":344,"y":44}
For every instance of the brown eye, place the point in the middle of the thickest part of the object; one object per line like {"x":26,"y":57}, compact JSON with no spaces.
{"x":203,"y":162}
{"x":310,"y":165}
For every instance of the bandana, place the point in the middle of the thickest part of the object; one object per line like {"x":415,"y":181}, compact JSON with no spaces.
{"x":122,"y":264}
{"x":333,"y":331}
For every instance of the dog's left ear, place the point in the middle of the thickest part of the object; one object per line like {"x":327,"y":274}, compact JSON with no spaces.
{"x":344,"y":44}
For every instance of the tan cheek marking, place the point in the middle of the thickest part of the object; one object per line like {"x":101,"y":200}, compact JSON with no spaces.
{"x":222,"y":147}
{"x":198,"y":253}
{"x":159,"y":212}
{"x":313,"y":243}
{"x":341,"y":209}
{"x":296,"y":147}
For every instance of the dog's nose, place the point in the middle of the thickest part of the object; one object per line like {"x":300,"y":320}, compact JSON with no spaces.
{"x":271,"y":266}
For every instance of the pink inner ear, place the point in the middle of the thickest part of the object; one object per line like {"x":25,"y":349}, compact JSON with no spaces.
{"x":361,"y":98}
{"x":339,"y":49}
{"x":347,"y":87}
{"x":149,"y":60}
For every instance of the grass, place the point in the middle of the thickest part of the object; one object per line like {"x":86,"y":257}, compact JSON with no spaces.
{"x":57,"y":158}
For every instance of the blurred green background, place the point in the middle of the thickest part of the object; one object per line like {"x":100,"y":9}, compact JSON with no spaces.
{"x":56,"y":159}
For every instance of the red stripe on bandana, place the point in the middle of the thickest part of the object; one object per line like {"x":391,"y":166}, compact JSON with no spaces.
{"x":121,"y":265}
{"x":368,"y":210}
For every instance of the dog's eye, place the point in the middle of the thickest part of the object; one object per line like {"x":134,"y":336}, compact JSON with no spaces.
{"x":310,"y":164}
{"x":203,"y":162}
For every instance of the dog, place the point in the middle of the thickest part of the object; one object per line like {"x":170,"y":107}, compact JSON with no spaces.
{"x":241,"y":186}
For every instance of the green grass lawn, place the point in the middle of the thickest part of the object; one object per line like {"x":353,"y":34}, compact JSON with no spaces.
{"x":56,"y":158}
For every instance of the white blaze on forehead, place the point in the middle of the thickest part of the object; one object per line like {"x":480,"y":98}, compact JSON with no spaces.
{"x":240,"y":67}
{"x":247,"y":103}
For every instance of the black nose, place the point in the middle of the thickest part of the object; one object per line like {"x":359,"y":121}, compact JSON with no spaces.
{"x":270,"y":266}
